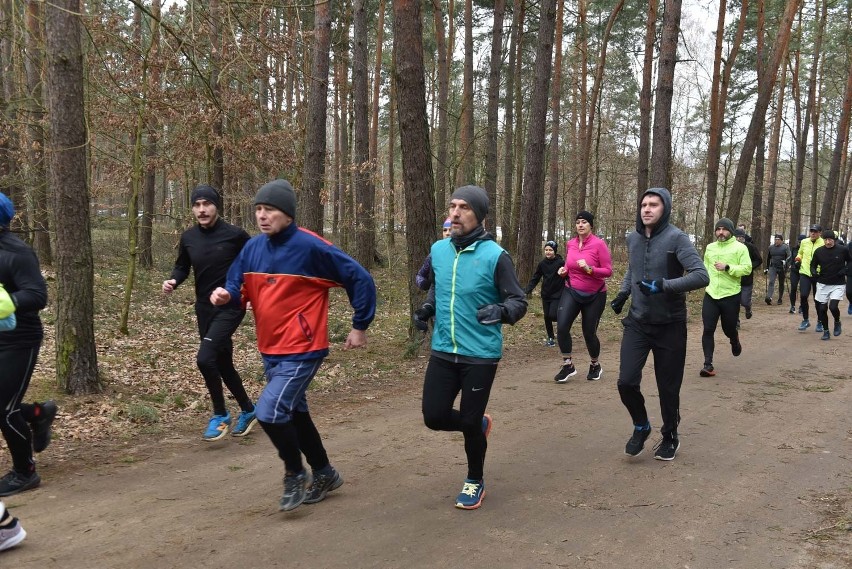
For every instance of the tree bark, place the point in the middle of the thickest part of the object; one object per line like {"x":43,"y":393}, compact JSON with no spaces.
{"x":365,"y":190}
{"x":529,"y":238}
{"x":313,"y":173}
{"x":829,"y":216}
{"x":76,"y":356}
{"x":443,"y":102}
{"x":645,"y":100}
{"x":495,"y":65}
{"x":414,"y":139}
{"x":774,"y":150}
{"x":466,"y":172}
{"x":661,"y":150}
{"x":555,"y":99}
{"x":509,"y":133}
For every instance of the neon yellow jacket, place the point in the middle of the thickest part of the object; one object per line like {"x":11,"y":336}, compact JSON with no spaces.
{"x":735,"y":255}
{"x":806,"y":253}
{"x":7,"y":305}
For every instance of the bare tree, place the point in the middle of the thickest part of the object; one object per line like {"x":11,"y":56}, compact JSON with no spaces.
{"x":829,"y":214}
{"x":466,"y":172}
{"x":443,"y":102}
{"x":313,"y":173}
{"x":76,"y":356}
{"x":555,"y":99}
{"x":529,"y":237}
{"x":409,"y":75}
{"x":365,"y":189}
{"x":495,"y":65}
{"x":661,"y":150}
{"x":645,"y":100}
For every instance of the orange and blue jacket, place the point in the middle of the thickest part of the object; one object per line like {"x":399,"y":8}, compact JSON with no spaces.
{"x":286,"y":278}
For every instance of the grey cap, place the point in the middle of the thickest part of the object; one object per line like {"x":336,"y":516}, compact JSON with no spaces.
{"x":476,"y":198}
{"x":726,"y":223}
{"x":279,"y":194}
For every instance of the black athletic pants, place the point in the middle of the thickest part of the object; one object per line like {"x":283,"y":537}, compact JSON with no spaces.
{"x":17,"y":365}
{"x":727,"y":310}
{"x":668,"y":344}
{"x":794,"y":286}
{"x":807,"y":287}
{"x":215,"y":357}
{"x":548,"y":307}
{"x":444,"y":380}
{"x":591,"y":310}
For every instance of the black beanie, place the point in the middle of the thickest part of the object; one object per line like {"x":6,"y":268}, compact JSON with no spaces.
{"x":208,"y":193}
{"x":727,"y":224}
{"x":587,"y":215}
{"x":476,"y":198}
{"x":279,"y":194}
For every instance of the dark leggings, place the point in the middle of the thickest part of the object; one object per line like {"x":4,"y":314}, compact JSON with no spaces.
{"x":548,"y":308}
{"x":215,"y":357}
{"x":668,"y":344}
{"x":807,"y":287}
{"x":295,"y":437}
{"x":823,"y":310}
{"x":444,"y":380}
{"x":17,"y":365}
{"x":727,"y":310}
{"x":591,"y":311}
{"x":794,"y":287}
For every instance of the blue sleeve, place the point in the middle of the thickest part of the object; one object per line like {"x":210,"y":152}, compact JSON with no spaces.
{"x":357,"y":282}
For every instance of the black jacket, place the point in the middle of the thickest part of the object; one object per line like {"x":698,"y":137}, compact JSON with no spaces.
{"x":21,"y":276}
{"x":551,"y":283}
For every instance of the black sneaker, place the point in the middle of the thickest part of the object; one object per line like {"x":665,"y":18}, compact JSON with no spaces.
{"x":15,"y":482}
{"x":707,"y":371}
{"x":768,"y":301}
{"x":826,"y":335}
{"x":792,"y":309}
{"x":637,"y":440}
{"x":595,"y":371}
{"x":295,"y":491}
{"x":566,"y":371}
{"x":736,"y":347}
{"x":748,"y":313}
{"x":837,"y":328}
{"x":778,"y":303}
{"x":667,"y":449}
{"x":41,"y":425}
{"x":321,"y":485}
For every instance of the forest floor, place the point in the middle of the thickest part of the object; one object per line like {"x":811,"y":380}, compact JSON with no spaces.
{"x":763,"y":478}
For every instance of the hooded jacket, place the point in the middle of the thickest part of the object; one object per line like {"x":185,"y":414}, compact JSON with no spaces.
{"x":806,"y":254}
{"x":735,"y":255}
{"x":551,"y":283}
{"x":666,"y":254}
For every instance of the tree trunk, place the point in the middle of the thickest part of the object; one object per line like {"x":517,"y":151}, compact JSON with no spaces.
{"x":76,"y":356}
{"x":495,"y":65}
{"x":529,"y":238}
{"x":509,"y":132}
{"x":218,"y":176}
{"x":146,"y":257}
{"x":365,"y":190}
{"x":661,"y":150}
{"x":583,"y":64}
{"x":443,"y":102}
{"x":645,"y":100}
{"x":555,"y":99}
{"x":414,"y":139}
{"x":466,"y":172}
{"x":37,"y":178}
{"x":774,"y":150}
{"x":313,"y":173}
{"x":764,"y":95}
{"x":391,"y":192}
{"x":829,"y":217}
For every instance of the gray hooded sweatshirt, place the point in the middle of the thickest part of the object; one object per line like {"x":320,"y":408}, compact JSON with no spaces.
{"x":667,"y":254}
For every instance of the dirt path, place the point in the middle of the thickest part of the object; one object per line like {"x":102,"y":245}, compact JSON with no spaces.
{"x":762,"y":479}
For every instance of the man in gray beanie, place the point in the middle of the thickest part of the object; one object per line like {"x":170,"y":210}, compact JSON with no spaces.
{"x":475,"y":292}
{"x":286,"y":274}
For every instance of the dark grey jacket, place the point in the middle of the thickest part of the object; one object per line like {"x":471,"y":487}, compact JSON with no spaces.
{"x":666,"y":254}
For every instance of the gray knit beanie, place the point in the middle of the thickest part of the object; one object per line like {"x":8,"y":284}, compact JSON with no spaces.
{"x":725,"y":223}
{"x":476,"y":198}
{"x":279,"y":194}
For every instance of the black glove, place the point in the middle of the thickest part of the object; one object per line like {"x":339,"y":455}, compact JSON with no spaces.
{"x":651,"y":287}
{"x":490,"y":314}
{"x":422,"y":316}
{"x":617,"y":303}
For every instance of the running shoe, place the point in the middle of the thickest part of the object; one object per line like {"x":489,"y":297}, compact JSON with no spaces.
{"x":837,"y":329}
{"x":637,"y":440}
{"x":566,"y":371}
{"x":217,"y":427}
{"x":295,"y":491}
{"x":40,"y":425}
{"x":778,"y":303}
{"x":15,"y":482}
{"x":667,"y":449}
{"x":11,"y":535}
{"x":804,"y":325}
{"x":768,"y":301}
{"x":849,"y":309}
{"x":707,"y":371}
{"x":471,"y":495}
{"x":321,"y":485}
{"x":736,"y":347}
{"x":818,"y":327}
{"x":792,"y":309}
{"x":748,"y":313}
{"x":595,"y":372}
{"x":550,"y":342}
{"x":245,"y":422}
{"x":826,"y":335}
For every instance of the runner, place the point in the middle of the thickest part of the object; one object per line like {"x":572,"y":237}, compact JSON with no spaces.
{"x":423,"y":277}
{"x":727,"y":261}
{"x":794,"y":274}
{"x":806,"y":280}
{"x":588,"y":264}
{"x":658,"y":255}
{"x":208,"y":249}
{"x":551,"y":287}
{"x":286,"y":274}
{"x":747,"y":281}
{"x":830,"y":264}
{"x":778,"y":256}
{"x":25,"y":426}
{"x":476,"y":291}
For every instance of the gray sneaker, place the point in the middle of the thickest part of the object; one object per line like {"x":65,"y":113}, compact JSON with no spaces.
{"x":321,"y":485}
{"x":295,"y":491}
{"x":12,"y":535}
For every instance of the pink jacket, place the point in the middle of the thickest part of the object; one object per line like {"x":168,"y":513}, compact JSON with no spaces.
{"x":597,"y":256}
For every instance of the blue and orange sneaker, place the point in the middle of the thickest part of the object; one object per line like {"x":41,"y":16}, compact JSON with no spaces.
{"x":245,"y":422}
{"x":471,"y":495}
{"x":217,"y":427}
